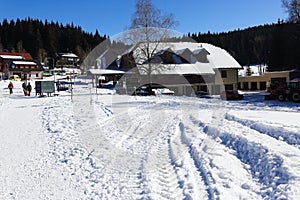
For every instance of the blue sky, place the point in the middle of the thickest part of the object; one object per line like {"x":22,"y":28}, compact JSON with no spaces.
{"x":113,"y":16}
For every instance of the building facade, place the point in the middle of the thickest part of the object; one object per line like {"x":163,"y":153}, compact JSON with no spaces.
{"x":266,"y":80}
{"x":20,"y":64}
{"x":184,"y":67}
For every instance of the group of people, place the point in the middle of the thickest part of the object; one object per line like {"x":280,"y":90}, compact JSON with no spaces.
{"x":26,"y":88}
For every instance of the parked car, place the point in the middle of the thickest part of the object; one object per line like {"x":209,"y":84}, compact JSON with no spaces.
{"x":231,"y":95}
{"x":202,"y":94}
{"x":144,"y":91}
{"x":15,"y":78}
{"x":163,"y":91}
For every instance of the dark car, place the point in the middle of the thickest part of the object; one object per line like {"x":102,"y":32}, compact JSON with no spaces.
{"x":231,"y":95}
{"x":202,"y":94}
{"x":144,"y":91}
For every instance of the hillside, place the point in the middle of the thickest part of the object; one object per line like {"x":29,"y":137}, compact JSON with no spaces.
{"x":277,"y":45}
{"x":42,"y":39}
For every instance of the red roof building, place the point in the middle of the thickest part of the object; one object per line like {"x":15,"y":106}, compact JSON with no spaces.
{"x":20,"y":64}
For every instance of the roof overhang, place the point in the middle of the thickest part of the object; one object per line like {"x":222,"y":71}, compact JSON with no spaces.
{"x":11,"y":57}
{"x":179,"y":69}
{"x":24,"y":63}
{"x":106,"y":72}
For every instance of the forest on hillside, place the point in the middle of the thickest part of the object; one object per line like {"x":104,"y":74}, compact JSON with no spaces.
{"x":277,"y":45}
{"x":45,"y":39}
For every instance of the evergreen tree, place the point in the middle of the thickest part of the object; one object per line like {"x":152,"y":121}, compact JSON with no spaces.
{"x":45,"y":39}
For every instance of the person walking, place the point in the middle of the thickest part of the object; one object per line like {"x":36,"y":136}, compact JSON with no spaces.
{"x":24,"y":88}
{"x":10,"y":87}
{"x":29,"y":88}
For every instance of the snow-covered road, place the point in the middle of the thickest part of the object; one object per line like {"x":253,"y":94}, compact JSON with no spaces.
{"x":124,"y":147}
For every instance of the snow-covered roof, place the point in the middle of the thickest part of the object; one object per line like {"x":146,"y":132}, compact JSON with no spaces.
{"x":181,"y":69}
{"x":70,"y":55}
{"x":211,"y":57}
{"x":11,"y":57}
{"x":24,"y":63}
{"x":105,"y":71}
{"x":220,"y":57}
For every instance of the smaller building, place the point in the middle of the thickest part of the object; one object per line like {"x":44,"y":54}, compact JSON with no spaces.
{"x":67,"y":60}
{"x":266,"y":80}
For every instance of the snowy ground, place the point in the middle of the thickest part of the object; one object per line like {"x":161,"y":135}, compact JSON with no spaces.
{"x":102,"y":146}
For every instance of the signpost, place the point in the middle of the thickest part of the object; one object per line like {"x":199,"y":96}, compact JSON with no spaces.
{"x":44,"y":87}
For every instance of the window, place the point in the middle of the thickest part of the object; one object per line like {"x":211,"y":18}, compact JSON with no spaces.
{"x":224,"y":74}
{"x":253,"y":85}
{"x":37,"y":75}
{"x":245,"y":86}
{"x":229,"y":87}
{"x":203,"y":88}
{"x":262,"y":85}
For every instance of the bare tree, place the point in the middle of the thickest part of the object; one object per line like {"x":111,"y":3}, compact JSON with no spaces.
{"x":148,"y":31}
{"x":292,"y":7}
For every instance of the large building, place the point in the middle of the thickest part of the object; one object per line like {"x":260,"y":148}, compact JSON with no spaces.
{"x":20,"y":64}
{"x":184,"y":67}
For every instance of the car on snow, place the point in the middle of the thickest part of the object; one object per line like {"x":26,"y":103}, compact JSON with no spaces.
{"x":231,"y":95}
{"x":14,"y":78}
{"x":155,"y":89}
{"x":163,"y":91}
{"x":144,"y":91}
{"x":202,"y":94}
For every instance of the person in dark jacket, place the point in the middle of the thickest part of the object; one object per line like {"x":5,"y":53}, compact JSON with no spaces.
{"x":24,"y":88}
{"x":28,"y":88}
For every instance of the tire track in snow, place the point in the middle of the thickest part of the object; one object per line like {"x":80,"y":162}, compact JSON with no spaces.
{"x":163,"y":182}
{"x":157,"y":175}
{"x":190,"y":179}
{"x":201,"y":164}
{"x":125,"y":138}
{"x":119,"y":172}
{"x":265,"y":166}
{"x":114,"y":133}
{"x":147,"y":136}
{"x":209,"y":156}
{"x":93,"y":179}
{"x":285,"y":176}
{"x":289,"y":137}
